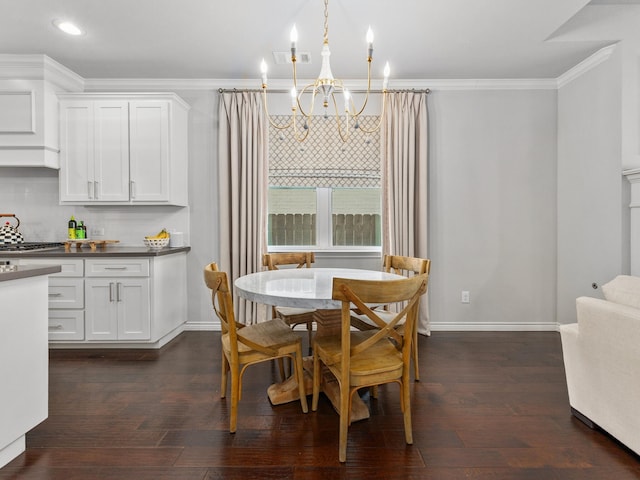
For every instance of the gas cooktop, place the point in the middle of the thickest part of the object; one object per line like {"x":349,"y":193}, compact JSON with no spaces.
{"x":29,"y":246}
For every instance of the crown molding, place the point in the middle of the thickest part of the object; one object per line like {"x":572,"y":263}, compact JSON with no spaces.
{"x":97,"y":84}
{"x":164,"y":84}
{"x":583,"y":67}
{"x":39,"y":67}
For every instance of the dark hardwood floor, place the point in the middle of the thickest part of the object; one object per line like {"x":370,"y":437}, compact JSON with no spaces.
{"x":490,"y":406}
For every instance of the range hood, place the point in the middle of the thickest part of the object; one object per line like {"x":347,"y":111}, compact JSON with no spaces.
{"x":29,"y":109}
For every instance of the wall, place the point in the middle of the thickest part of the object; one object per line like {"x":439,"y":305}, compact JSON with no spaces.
{"x":492,"y":209}
{"x":593,"y":196}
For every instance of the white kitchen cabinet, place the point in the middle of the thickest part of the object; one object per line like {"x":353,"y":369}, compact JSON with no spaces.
{"x":95,"y":154}
{"x":117,"y":309}
{"x":107,"y":301}
{"x":117,"y":299}
{"x":66,"y":297}
{"x":123,"y":149}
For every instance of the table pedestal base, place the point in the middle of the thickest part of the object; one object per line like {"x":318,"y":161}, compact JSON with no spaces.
{"x":329,"y":322}
{"x":287,"y":391}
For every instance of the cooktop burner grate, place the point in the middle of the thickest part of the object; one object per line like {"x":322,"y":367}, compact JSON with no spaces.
{"x":29,"y":246}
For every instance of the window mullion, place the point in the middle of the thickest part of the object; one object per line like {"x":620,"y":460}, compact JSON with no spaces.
{"x":323,"y":218}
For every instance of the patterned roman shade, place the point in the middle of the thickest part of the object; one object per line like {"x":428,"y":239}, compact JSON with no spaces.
{"x":323,"y":160}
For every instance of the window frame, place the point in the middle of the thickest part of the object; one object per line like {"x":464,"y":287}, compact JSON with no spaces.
{"x":324,"y":233}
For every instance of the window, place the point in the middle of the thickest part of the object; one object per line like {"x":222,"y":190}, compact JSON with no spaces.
{"x":324,"y":217}
{"x":322,"y":192}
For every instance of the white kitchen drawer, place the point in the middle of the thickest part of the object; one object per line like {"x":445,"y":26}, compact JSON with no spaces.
{"x":71,"y":267}
{"x":66,"y":324}
{"x":66,"y":292}
{"x":125,"y":267}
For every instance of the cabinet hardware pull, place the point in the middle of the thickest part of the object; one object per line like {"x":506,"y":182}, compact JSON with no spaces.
{"x":111,"y":291}
{"x":55,"y":327}
{"x":132,"y":188}
{"x":118,"y":291}
{"x":95,"y":190}
{"x":115,"y":268}
{"x":55,"y":294}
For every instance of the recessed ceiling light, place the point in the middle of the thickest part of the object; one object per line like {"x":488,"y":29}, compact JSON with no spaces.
{"x":68,"y":27}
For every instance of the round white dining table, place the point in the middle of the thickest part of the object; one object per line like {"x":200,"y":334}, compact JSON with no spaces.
{"x":301,"y":287}
{"x":308,"y":288}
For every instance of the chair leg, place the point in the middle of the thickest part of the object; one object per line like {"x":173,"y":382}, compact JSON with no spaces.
{"x":283,"y":374}
{"x":373,"y":391}
{"x":300,"y":378}
{"x":344,"y":422}
{"x":406,"y":399}
{"x":223,"y":378}
{"x":235,"y":398}
{"x":310,"y":333}
{"x":414,"y":351}
{"x":316,"y":381}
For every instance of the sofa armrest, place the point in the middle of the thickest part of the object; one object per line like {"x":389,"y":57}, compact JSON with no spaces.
{"x":610,"y":327}
{"x":602,"y":364}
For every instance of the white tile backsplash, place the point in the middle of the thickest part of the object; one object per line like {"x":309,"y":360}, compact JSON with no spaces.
{"x":32,"y":195}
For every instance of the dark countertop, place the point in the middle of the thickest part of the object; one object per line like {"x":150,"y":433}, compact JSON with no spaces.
{"x":15,"y":272}
{"x":85,"y":252}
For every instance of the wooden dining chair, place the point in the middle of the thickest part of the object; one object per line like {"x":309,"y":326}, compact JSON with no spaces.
{"x":292,"y":316}
{"x":369,"y":358}
{"x":406,"y":266}
{"x":245,"y":345}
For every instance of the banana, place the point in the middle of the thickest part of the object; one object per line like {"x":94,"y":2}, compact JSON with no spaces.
{"x":161,"y":234}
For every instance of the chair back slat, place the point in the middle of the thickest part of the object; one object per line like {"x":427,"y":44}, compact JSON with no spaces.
{"x":406,"y":266}
{"x":299,"y":259}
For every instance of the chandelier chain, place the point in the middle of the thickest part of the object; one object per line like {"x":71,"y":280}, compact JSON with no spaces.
{"x":326,"y":21}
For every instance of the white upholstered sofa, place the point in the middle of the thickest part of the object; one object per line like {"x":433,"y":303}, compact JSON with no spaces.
{"x":602,"y":360}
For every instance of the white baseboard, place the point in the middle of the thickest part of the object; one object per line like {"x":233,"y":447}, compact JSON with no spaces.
{"x":202,"y":326}
{"x":435,"y":327}
{"x":495,"y":327}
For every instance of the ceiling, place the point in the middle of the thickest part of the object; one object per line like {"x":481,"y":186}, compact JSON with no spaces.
{"x":209,"y":39}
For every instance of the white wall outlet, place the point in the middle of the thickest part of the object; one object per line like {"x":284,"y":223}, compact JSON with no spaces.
{"x":97,"y":232}
{"x":464,"y":298}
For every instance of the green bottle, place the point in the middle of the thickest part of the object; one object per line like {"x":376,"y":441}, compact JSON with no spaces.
{"x":80,"y":231}
{"x":72,"y":228}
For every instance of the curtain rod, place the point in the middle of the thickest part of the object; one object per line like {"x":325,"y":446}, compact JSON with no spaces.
{"x":231,"y":90}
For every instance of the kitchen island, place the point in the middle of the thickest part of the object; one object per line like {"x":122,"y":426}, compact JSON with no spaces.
{"x":24,"y":354}
{"x":114,"y":297}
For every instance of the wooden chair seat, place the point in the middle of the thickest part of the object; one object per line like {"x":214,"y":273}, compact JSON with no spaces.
{"x":274,"y":333}
{"x":292,"y":312}
{"x":382,"y":360}
{"x":362,"y":322}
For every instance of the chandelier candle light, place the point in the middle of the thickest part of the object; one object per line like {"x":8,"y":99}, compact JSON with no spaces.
{"x":327,"y":86}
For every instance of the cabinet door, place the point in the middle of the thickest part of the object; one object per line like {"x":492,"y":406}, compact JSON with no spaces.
{"x":101,"y":314}
{"x":76,"y":150}
{"x":134,"y":321}
{"x":149,"y":150}
{"x":111,"y":151}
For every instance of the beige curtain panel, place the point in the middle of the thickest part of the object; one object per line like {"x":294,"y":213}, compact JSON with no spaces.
{"x":242,"y":187}
{"x":404,"y":181}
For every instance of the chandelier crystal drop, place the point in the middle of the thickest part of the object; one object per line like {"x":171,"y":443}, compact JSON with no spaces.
{"x":327,"y":87}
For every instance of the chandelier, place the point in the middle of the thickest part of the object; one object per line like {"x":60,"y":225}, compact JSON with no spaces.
{"x":327,"y":87}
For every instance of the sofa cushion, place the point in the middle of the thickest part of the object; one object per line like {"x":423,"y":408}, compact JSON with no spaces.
{"x":624,"y":289}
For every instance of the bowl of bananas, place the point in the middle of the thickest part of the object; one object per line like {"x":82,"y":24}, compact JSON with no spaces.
{"x":157,"y":241}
